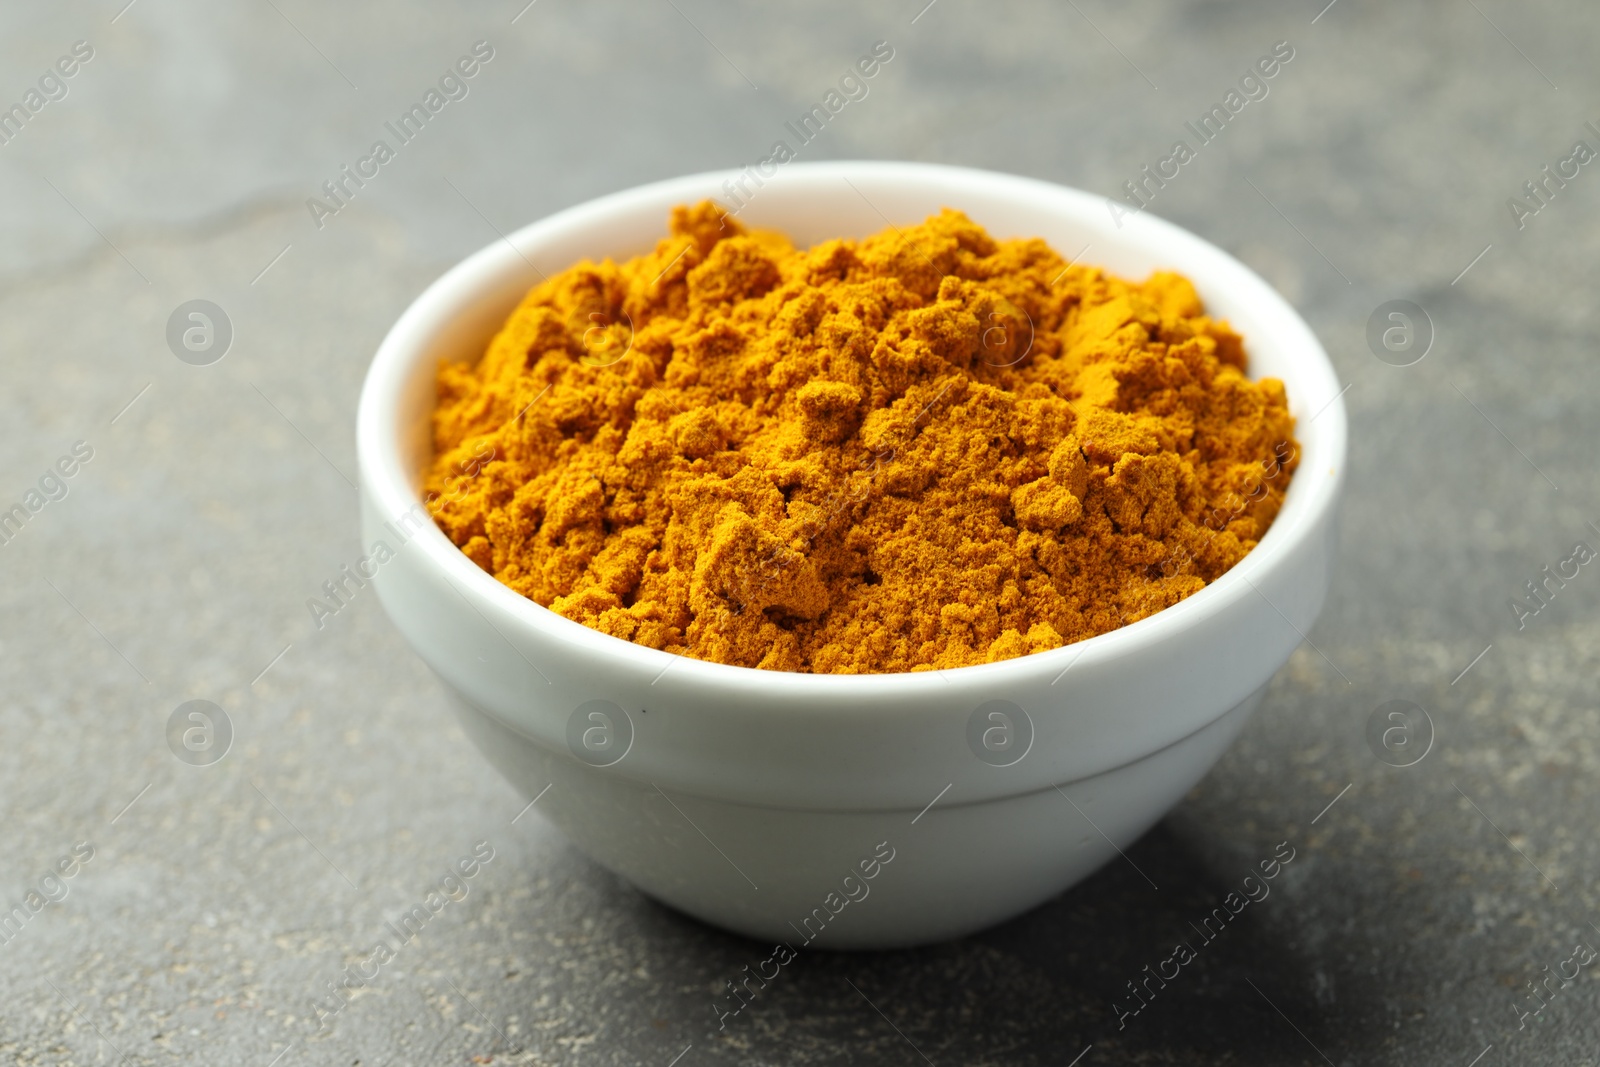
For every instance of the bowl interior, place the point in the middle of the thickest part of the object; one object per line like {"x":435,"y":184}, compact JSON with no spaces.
{"x":455,"y":318}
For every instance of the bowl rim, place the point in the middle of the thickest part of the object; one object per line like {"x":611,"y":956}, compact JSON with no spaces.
{"x":389,"y":485}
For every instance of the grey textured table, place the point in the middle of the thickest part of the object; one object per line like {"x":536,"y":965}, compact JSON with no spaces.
{"x":220,"y":901}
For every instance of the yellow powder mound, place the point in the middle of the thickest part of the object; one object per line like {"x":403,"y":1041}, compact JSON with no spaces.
{"x":921,"y":450}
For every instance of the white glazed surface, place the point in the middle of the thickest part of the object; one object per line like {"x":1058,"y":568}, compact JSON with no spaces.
{"x":746,"y":795}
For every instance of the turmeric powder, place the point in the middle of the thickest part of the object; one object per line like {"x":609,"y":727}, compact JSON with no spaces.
{"x":921,"y":450}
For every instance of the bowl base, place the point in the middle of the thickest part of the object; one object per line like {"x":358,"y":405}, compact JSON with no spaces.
{"x":852,"y":879}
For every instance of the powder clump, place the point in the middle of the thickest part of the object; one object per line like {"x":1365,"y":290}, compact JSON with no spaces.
{"x":921,"y":450}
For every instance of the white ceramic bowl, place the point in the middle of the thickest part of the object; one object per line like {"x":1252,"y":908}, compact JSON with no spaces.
{"x":762,"y":801}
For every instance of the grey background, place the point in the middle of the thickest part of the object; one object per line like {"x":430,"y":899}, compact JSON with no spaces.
{"x":225,"y":898}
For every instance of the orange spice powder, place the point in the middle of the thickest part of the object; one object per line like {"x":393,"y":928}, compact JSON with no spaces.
{"x":921,"y":450}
